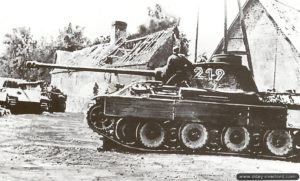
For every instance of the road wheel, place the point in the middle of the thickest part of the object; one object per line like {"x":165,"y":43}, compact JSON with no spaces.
{"x":126,"y":130}
{"x":151,"y":135}
{"x":194,"y":135}
{"x":236,"y":139}
{"x":97,"y":120}
{"x":279,"y":142}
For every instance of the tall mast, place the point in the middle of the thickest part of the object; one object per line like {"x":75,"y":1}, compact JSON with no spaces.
{"x":225,"y":43}
{"x":245,"y":38}
{"x":196,"y":43}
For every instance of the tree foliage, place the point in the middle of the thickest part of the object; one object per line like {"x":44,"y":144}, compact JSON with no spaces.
{"x":159,"y":20}
{"x":45,"y":52}
{"x":71,"y":38}
{"x":20,"y":47}
{"x":101,"y":40}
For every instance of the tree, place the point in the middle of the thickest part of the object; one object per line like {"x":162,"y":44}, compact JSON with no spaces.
{"x":72,"y":38}
{"x":159,"y":20}
{"x":45,"y":52}
{"x":4,"y":68}
{"x":20,"y":46}
{"x":101,"y":40}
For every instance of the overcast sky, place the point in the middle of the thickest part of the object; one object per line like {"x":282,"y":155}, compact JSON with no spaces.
{"x":46,"y":17}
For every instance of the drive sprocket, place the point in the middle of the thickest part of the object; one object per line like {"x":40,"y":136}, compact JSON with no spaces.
{"x":97,"y":120}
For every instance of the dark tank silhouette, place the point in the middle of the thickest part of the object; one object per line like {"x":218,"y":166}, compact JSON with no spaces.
{"x":214,"y":109}
{"x":57,"y":100}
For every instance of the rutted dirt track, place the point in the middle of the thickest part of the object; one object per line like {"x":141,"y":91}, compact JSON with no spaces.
{"x":61,"y":147}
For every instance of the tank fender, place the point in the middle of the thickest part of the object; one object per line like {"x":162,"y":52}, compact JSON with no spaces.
{"x":98,"y":98}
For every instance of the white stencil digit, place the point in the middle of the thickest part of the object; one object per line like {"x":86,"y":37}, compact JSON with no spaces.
{"x":209,"y":73}
{"x":198,"y":71}
{"x":220,"y":74}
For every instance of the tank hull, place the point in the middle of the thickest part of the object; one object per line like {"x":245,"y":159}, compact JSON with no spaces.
{"x":124,"y":119}
{"x":188,"y":110}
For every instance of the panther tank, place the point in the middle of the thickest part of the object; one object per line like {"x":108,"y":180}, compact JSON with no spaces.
{"x":21,"y":96}
{"x":216,"y":110}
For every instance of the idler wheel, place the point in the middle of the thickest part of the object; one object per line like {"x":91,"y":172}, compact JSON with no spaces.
{"x":279,"y":142}
{"x":97,"y":120}
{"x":151,"y":135}
{"x":236,"y":139}
{"x":194,"y":135}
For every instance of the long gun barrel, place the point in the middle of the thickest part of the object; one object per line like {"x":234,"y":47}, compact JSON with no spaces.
{"x":34,"y":64}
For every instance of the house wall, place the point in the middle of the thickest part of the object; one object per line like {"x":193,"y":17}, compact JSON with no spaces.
{"x":79,"y":86}
{"x":267,"y":46}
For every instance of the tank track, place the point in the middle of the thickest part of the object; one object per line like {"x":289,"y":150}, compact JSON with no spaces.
{"x":123,"y":135}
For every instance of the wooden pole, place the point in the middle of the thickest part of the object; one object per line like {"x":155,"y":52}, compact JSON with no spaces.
{"x":275,"y":62}
{"x":196,"y":43}
{"x":245,"y":38}
{"x":225,"y":43}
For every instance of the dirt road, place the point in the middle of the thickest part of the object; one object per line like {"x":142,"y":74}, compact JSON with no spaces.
{"x":61,"y":147}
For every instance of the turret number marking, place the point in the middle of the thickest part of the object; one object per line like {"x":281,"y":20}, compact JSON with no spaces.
{"x":209,"y":73}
